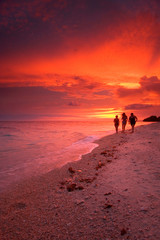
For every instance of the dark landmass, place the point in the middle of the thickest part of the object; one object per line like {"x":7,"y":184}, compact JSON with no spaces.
{"x":152,"y":119}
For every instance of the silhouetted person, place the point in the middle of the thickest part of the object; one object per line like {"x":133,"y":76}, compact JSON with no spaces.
{"x":116,"y":123}
{"x":132,"y":119}
{"x":124,"y":121}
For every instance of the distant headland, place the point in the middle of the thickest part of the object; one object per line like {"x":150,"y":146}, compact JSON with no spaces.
{"x":152,"y":119}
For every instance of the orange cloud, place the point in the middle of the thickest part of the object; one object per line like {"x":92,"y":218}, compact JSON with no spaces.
{"x":87,"y":56}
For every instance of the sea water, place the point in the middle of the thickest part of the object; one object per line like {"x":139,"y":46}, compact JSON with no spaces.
{"x":32,"y":148}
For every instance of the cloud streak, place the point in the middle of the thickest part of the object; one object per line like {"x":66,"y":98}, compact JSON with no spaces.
{"x":137,"y":106}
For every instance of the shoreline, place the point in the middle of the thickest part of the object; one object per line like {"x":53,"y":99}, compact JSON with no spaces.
{"x":10,"y":178}
{"x":56,"y":171}
{"x":90,"y":198}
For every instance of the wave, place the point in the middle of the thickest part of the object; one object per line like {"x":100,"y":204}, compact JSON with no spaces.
{"x":88,"y":139}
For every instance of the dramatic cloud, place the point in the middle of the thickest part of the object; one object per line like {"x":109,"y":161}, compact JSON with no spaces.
{"x":123,"y":92}
{"x":150,"y":84}
{"x":83,"y":87}
{"x":73,"y":86}
{"x":137,"y":106}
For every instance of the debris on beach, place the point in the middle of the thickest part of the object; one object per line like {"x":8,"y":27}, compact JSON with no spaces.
{"x":70,"y":169}
{"x":87,"y":180}
{"x":79,"y":188}
{"x":107,"y":205}
{"x":109,"y":160}
{"x":100,"y":164}
{"x":123,"y":231}
{"x":63,"y":182}
{"x":66,"y":181}
{"x":109,"y":193}
{"x":104,"y":152}
{"x":71,"y":187}
{"x":61,"y":187}
{"x":78,"y":202}
{"x":108,"y":153}
{"x":143,"y":209}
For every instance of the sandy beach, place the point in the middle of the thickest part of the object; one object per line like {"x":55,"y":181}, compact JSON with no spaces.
{"x":112,"y":193}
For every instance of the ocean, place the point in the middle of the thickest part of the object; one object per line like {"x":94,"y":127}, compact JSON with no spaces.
{"x":29,"y":148}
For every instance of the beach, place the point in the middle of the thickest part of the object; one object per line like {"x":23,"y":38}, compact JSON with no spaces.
{"x":112,"y":193}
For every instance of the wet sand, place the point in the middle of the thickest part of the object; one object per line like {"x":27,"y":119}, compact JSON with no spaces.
{"x":112,"y":193}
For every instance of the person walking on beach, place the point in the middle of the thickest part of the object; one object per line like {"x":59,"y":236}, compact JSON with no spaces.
{"x":132,"y":119}
{"x":124,"y":121}
{"x":116,"y":123}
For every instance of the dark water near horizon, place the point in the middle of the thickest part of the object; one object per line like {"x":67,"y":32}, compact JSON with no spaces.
{"x":32,"y":148}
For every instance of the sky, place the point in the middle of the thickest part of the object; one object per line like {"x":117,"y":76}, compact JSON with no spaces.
{"x":79,"y":59}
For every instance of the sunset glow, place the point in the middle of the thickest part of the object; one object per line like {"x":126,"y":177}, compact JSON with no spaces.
{"x":78,"y":59}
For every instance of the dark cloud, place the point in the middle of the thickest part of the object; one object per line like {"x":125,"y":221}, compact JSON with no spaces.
{"x":16,"y":100}
{"x":30,"y":25}
{"x":51,"y":27}
{"x":85,"y":83}
{"x":25,"y":103}
{"x":73,"y":104}
{"x":76,"y":86}
{"x":147,"y":84}
{"x":72,"y":85}
{"x":150,"y":84}
{"x":137,"y":106}
{"x":104,"y":93}
{"x":123,"y":92}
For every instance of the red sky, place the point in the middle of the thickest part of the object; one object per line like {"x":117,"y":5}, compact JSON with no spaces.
{"x":83,"y":59}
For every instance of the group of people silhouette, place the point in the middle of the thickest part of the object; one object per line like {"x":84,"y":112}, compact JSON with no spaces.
{"x":132,"y":120}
